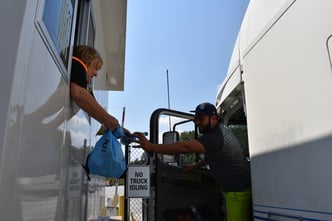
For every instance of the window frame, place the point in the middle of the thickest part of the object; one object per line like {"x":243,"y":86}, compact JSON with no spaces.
{"x":60,"y":49}
{"x":85,"y":23}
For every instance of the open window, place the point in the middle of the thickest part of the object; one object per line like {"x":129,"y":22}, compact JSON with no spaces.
{"x":233,"y":115}
{"x":85,"y":25}
{"x":174,"y":126}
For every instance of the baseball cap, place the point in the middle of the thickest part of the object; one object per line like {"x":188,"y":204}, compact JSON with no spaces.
{"x":205,"y":109}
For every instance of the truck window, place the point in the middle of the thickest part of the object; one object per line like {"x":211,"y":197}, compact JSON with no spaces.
{"x":241,"y":133}
{"x":180,"y":130}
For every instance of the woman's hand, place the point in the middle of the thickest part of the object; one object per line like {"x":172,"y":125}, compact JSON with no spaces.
{"x":111,"y":123}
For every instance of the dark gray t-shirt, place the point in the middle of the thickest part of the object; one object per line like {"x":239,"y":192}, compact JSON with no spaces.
{"x":226,"y":159}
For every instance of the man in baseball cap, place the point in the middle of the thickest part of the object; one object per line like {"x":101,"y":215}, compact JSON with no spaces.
{"x":205,"y":109}
{"x":205,"y":117}
{"x":224,"y":155}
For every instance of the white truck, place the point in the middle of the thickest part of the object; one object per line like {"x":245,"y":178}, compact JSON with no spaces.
{"x":279,"y":85}
{"x":278,"y":89}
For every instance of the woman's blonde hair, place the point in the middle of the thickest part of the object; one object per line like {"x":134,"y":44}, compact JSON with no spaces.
{"x":88,"y":55}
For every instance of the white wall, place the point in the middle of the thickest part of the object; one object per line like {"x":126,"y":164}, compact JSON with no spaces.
{"x":42,"y":141}
{"x":8,"y":45}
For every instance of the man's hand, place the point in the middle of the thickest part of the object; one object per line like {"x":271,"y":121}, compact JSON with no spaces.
{"x":144,"y":143}
{"x":127,"y":132}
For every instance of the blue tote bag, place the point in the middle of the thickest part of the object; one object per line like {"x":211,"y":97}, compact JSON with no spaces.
{"x":107,"y":159}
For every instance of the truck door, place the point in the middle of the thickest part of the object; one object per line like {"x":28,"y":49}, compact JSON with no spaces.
{"x":179,"y":194}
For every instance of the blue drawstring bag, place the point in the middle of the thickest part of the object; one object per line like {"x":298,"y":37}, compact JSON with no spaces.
{"x":106,"y":159}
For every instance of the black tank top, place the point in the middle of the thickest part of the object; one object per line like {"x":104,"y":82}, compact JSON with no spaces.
{"x":226,"y":159}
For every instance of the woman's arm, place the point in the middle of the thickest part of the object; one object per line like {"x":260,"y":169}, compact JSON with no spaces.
{"x":86,"y":101}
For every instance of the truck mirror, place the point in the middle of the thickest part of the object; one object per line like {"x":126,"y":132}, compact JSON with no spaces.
{"x":171,"y":137}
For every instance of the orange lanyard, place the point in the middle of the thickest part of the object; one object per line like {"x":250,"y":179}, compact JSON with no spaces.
{"x":82,"y":63}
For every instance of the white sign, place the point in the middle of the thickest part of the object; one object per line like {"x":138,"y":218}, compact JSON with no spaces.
{"x":138,"y":181}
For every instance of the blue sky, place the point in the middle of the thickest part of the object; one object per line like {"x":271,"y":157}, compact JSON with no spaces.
{"x":193,"y":39}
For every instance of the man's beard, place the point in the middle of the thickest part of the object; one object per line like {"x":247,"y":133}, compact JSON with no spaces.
{"x":205,"y":129}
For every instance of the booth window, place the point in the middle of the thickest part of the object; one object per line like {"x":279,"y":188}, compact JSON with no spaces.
{"x":55,"y":21}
